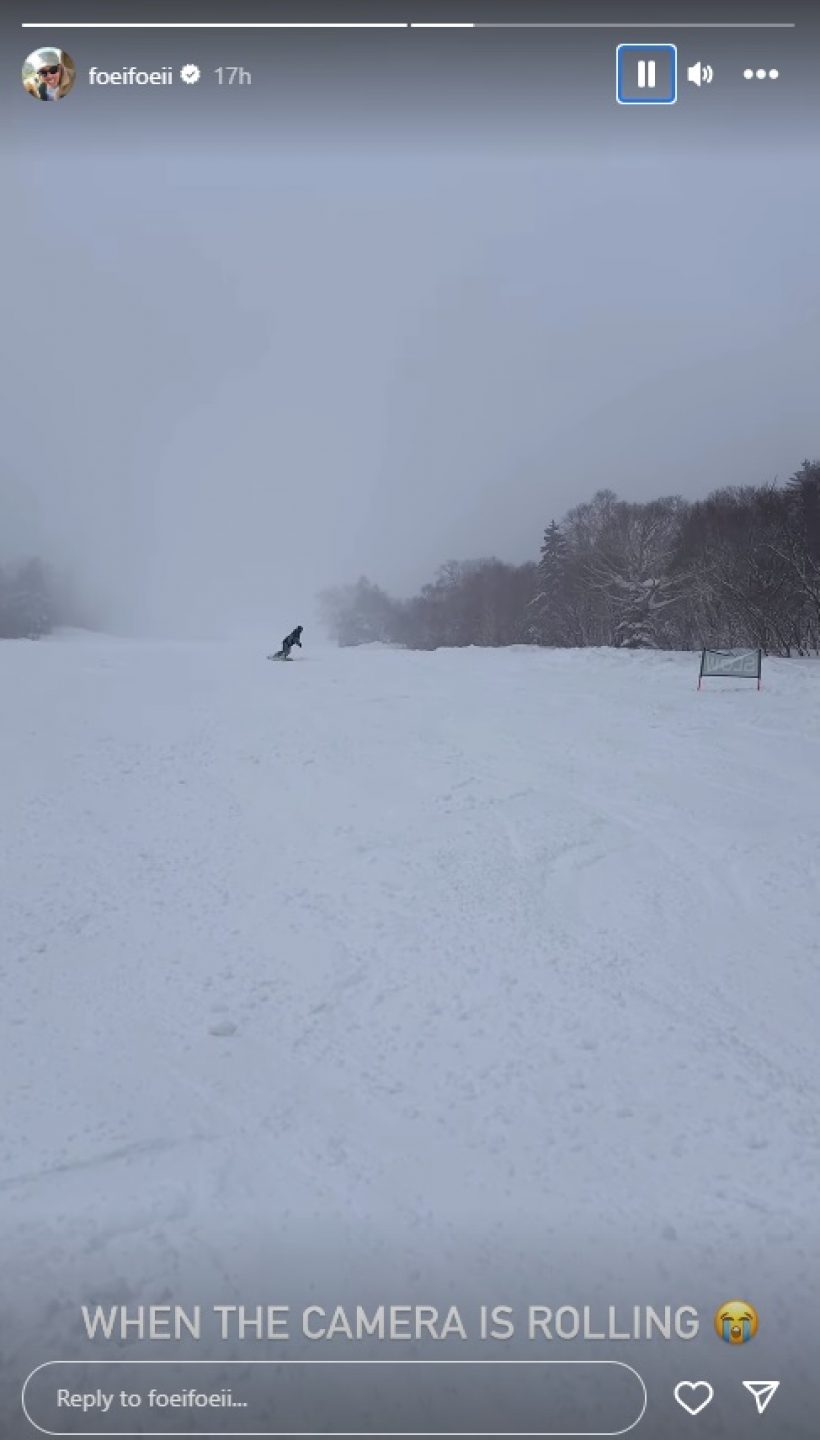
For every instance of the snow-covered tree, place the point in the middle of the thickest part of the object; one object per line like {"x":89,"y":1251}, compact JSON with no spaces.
{"x":552,"y":583}
{"x":358,"y":614}
{"x":634,"y":569}
{"x":26,"y":606}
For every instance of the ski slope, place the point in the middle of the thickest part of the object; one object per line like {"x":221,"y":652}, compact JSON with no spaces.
{"x":396,"y":955}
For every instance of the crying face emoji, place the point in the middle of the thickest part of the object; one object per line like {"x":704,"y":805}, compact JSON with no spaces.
{"x":736,"y":1322}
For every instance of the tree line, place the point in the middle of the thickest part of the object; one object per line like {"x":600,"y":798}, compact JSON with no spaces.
{"x":741,"y":567}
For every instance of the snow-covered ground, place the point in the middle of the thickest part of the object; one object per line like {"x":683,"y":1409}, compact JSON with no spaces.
{"x":410,"y":956}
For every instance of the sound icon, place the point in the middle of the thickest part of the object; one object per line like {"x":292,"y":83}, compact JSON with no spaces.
{"x":700,"y":74}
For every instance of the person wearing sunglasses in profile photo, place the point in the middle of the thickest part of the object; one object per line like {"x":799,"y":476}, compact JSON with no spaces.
{"x":49,"y":74}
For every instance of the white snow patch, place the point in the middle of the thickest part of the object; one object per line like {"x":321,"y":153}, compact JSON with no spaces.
{"x":521,"y":949}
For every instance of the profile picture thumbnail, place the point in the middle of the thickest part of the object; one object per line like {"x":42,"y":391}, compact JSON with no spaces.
{"x":49,"y":74}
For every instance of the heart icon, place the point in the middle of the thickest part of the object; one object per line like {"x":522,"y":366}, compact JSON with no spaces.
{"x":694,"y":1395}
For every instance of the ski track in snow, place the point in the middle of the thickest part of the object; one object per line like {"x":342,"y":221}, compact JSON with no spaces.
{"x":500,"y":932}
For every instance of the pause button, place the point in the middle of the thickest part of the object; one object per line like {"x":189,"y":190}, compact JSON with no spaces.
{"x":646,"y":74}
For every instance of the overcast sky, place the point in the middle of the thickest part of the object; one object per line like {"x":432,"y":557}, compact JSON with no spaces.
{"x":237,"y":378}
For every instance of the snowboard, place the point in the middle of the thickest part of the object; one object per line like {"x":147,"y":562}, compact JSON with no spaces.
{"x":279,"y":656}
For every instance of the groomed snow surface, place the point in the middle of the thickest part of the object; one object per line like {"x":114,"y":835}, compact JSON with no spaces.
{"x":489,"y":944}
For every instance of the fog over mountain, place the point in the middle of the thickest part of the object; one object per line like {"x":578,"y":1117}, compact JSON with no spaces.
{"x":235,"y":382}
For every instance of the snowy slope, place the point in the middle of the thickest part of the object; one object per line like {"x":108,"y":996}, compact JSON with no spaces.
{"x":508,"y":944}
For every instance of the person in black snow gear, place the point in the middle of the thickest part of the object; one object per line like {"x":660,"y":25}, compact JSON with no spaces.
{"x":294,"y":638}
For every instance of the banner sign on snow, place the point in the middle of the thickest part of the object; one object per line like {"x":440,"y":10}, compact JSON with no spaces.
{"x":742,"y":664}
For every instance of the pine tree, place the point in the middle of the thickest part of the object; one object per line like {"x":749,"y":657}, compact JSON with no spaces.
{"x":26,"y":609}
{"x":546,"y":604}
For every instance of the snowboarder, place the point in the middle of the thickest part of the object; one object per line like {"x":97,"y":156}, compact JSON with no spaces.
{"x":294,"y":638}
